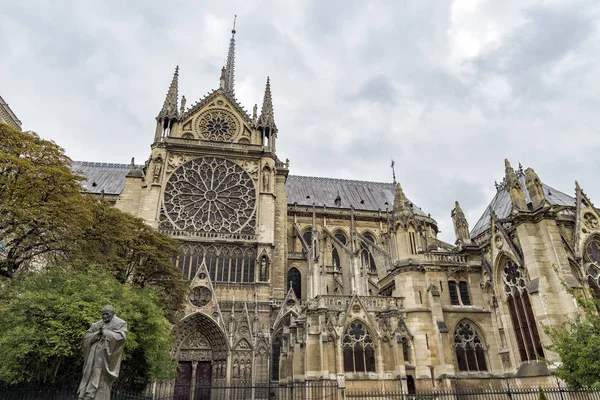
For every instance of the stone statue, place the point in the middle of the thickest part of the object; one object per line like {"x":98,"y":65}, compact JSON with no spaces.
{"x":266,"y":178}
{"x":157,"y":169}
{"x":103,"y":347}
{"x":263,"y":269}
{"x":182,"y":109}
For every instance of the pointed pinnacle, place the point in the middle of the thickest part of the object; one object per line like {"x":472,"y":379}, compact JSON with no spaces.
{"x":230,"y":64}
{"x":169,"y":109}
{"x":267,"y":117}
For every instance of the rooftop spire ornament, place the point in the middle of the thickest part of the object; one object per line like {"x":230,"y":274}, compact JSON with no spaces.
{"x":230,"y":63}
{"x":393,"y":170}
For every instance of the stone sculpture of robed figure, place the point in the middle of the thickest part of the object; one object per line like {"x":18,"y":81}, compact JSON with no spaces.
{"x":103,"y":347}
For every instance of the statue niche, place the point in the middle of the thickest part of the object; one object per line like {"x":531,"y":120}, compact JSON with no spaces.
{"x":264,"y":268}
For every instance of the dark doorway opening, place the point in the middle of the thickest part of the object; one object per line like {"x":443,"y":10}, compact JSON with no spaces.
{"x":201,"y":378}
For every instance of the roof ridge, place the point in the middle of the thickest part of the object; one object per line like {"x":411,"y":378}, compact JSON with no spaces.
{"x":104,"y":164}
{"x":340,"y":180}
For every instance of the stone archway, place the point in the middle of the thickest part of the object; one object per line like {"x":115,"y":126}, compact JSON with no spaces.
{"x":202,"y":352}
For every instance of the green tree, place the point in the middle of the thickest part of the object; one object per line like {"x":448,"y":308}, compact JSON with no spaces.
{"x":134,"y":251}
{"x":577,"y":342}
{"x":43,"y":316}
{"x":541,"y":394}
{"x":41,"y":210}
{"x":45,"y":217}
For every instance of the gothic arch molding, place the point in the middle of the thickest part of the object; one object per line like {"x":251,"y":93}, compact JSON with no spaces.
{"x":201,"y":323}
{"x":502,"y":257}
{"x":470,"y":346}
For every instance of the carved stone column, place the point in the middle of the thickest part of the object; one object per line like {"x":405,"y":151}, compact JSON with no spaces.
{"x":193,"y":382}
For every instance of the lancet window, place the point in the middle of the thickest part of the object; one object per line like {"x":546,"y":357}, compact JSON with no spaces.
{"x":366,"y":255}
{"x":469,"y":347}
{"x":521,"y":312}
{"x":294,"y":281}
{"x":335,"y":255}
{"x":359,"y":350}
{"x":459,"y":293}
{"x":405,"y":350}
{"x":224,"y":263}
{"x":592,"y":256}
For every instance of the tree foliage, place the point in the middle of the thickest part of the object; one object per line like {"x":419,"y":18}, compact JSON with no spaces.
{"x":577,"y":342}
{"x":41,"y":208}
{"x":63,"y":255}
{"x":45,"y":217}
{"x":43,"y":317}
{"x":134,"y":251}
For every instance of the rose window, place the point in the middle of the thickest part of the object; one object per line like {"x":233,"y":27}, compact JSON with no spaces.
{"x":592,"y":251}
{"x":219,"y":125}
{"x":200,"y":296}
{"x":210,"y":195}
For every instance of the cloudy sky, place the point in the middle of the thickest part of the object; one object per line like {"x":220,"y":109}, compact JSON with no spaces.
{"x":447,"y":88}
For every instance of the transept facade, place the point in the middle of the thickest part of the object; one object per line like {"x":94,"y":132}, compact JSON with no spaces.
{"x":295,"y":278}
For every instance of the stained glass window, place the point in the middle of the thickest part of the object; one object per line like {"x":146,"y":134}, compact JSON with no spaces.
{"x":359,"y":350}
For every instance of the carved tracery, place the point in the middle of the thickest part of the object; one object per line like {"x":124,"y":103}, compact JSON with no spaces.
{"x":217,"y":125}
{"x":469,"y":348}
{"x":521,"y":312}
{"x":359,"y":350}
{"x":210,"y":194}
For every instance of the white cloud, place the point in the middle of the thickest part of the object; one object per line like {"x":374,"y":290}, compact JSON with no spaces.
{"x":448,"y":89}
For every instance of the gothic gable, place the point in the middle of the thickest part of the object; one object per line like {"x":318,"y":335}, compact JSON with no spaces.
{"x":217,"y":117}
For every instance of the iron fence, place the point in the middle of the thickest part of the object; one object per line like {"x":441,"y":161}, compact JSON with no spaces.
{"x":530,"y":393}
{"x":317,"y":390}
{"x":63,"y":394}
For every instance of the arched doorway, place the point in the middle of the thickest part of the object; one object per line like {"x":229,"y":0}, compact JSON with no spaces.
{"x":202,"y":355}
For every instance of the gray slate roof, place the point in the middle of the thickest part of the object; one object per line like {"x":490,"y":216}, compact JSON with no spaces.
{"x":103,"y":176}
{"x":303,"y":190}
{"x":362,"y":195}
{"x":502,"y":205}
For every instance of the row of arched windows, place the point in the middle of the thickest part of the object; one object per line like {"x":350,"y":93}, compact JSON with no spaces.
{"x":359,"y":349}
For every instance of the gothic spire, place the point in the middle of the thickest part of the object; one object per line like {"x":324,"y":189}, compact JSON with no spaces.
{"x":267,"y":118}
{"x":230,"y":63}
{"x":169,"y":109}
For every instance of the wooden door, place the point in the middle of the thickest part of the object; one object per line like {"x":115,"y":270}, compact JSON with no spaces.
{"x":184,"y":381}
{"x":203,"y":381}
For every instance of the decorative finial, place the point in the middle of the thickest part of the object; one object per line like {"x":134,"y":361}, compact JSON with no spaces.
{"x":393,"y":170}
{"x":229,"y":75}
{"x":132,"y":162}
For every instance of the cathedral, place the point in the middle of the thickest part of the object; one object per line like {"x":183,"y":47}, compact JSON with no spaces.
{"x":295,"y":278}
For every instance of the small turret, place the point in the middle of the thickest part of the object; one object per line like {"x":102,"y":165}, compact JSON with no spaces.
{"x":461,"y":225}
{"x":266,"y":122}
{"x":169,"y":114}
{"x":514,"y":187}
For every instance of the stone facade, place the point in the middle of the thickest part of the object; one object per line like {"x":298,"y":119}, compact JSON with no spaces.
{"x":8,"y":116}
{"x":296,"y":278}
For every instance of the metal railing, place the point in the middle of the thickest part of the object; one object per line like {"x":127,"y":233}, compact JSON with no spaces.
{"x":529,"y":393}
{"x":310,"y":390}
